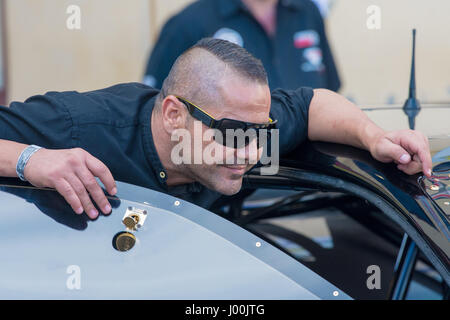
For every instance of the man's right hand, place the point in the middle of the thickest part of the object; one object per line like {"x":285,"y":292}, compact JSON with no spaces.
{"x":72,"y":173}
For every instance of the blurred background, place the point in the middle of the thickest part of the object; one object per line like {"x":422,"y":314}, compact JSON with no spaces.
{"x":40,"y":54}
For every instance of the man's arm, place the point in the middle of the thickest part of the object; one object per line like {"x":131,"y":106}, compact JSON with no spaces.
{"x":333,"y":118}
{"x":9,"y":156}
{"x":71,"y":172}
{"x":43,"y":120}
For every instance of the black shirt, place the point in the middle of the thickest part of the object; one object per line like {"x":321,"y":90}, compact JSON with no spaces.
{"x":113,"y":125}
{"x":297,"y":55}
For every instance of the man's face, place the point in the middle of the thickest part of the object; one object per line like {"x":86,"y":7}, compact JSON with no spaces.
{"x":242,"y":100}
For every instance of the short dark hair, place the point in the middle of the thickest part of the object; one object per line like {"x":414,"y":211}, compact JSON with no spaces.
{"x":194,"y":78}
{"x":236,"y":57}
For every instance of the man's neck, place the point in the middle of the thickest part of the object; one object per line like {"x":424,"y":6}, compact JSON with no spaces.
{"x":163,"y":145}
{"x":265,"y":12}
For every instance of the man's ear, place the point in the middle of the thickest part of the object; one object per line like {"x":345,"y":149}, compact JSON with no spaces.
{"x":174,"y":114}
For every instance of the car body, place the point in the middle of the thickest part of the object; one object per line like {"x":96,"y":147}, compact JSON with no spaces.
{"x":181,"y":251}
{"x":410,"y":212}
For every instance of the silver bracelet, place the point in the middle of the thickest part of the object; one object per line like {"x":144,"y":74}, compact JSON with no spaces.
{"x":23,"y":160}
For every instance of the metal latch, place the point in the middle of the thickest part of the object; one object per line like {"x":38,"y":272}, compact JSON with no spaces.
{"x":134,"y":218}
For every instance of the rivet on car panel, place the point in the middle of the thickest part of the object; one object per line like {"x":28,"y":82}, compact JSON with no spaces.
{"x":124,"y":241}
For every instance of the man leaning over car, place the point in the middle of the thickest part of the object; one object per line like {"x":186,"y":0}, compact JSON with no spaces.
{"x":125,"y":130}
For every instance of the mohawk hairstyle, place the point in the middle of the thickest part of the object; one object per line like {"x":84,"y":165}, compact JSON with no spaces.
{"x":196,"y":72}
{"x":236,"y":57}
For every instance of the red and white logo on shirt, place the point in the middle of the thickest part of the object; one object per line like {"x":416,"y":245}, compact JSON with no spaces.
{"x":306,"y":38}
{"x":308,"y":41}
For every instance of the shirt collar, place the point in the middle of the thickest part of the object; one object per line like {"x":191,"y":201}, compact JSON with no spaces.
{"x":293,"y":4}
{"x":149,"y":146}
{"x":229,"y":7}
{"x":151,"y":154}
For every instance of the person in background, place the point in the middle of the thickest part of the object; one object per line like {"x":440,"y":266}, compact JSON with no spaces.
{"x":288,"y":36}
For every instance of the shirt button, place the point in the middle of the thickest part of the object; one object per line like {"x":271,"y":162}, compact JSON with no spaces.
{"x":162,"y":174}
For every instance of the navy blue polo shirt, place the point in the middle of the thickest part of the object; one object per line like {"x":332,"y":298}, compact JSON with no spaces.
{"x":113,"y":125}
{"x":297,"y":55}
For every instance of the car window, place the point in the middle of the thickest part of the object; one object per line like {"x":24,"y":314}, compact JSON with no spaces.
{"x":346,"y":240}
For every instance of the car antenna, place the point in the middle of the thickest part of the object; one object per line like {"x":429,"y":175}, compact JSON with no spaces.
{"x":412,"y":105}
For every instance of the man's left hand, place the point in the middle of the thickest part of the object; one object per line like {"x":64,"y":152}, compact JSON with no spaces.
{"x":408,"y":148}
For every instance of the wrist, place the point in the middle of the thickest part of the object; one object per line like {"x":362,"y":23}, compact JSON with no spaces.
{"x":369,"y":134}
{"x":24,"y":157}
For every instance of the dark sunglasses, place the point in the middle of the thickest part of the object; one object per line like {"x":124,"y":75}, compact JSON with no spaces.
{"x":242,"y":133}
